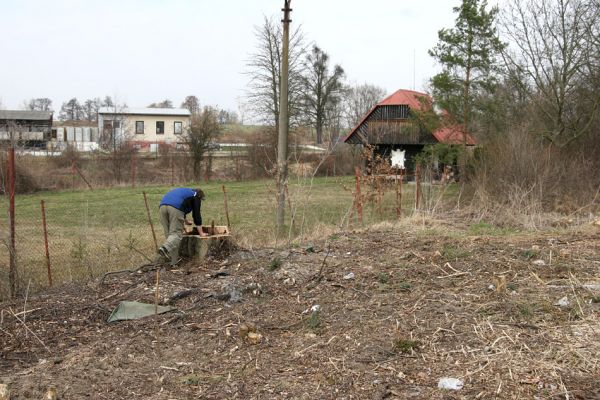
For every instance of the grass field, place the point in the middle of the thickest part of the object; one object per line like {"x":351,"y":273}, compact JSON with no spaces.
{"x":91,"y":232}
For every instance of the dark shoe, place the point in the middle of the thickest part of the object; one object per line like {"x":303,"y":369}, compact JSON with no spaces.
{"x":162,"y":251}
{"x":162,"y":256}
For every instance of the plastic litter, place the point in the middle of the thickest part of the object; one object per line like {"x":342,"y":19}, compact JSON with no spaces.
{"x":564,"y":302}
{"x":450,"y":383}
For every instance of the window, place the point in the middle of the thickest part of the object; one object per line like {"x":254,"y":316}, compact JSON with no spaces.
{"x":177,"y":127}
{"x":139,"y":127}
{"x":160,"y":127}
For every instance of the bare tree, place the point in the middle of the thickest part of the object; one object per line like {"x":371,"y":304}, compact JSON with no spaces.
{"x":264,"y":70}
{"x":321,"y":89}
{"x":39,"y":104}
{"x":71,"y":111}
{"x":203,"y":128}
{"x":192,"y":104}
{"x":228,"y":117}
{"x":166,"y":103}
{"x":90,"y":108}
{"x":108,"y":102}
{"x":359,"y":100}
{"x":115,"y":129}
{"x":556,"y":52}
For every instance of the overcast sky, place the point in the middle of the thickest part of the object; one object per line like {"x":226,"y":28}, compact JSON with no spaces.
{"x":143,"y":51}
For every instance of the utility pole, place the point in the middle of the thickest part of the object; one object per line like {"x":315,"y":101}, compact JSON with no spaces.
{"x":282,"y":144}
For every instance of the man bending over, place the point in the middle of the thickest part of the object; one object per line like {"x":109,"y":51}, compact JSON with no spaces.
{"x":174,"y":207}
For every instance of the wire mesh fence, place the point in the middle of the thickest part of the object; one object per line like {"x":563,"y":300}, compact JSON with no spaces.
{"x":86,"y":234}
{"x":90,"y":232}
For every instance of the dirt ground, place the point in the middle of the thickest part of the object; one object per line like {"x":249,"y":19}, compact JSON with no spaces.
{"x":377,"y":314}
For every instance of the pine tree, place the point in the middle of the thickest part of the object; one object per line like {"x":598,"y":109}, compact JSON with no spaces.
{"x":467,"y":54}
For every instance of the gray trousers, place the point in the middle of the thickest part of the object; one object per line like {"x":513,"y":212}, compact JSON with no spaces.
{"x":172,"y":221}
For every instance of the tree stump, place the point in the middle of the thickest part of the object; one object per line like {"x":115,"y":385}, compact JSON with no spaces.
{"x":195,"y":247}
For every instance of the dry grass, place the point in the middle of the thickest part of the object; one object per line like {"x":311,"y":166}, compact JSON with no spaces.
{"x":91,"y":232}
{"x":428,"y":300}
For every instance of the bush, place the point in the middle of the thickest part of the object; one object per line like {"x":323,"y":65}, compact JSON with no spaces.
{"x":25,"y":181}
{"x":526,"y":174}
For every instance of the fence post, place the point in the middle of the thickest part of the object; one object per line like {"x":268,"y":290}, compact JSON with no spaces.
{"x":399,"y":195}
{"x":73,"y":174}
{"x":133,"y":169}
{"x":150,"y":221}
{"x":417,"y":187}
{"x":287,"y":194}
{"x":46,"y":243}
{"x":172,"y":171}
{"x":226,"y":208}
{"x":12,"y":274}
{"x":357,"y":199}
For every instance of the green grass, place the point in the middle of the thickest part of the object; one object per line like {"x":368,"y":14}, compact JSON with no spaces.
{"x":454,"y":253}
{"x":405,"y":346}
{"x":485,"y":228}
{"x":94,"y":231}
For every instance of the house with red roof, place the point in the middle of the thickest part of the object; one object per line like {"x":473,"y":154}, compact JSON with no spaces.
{"x":398,"y":125}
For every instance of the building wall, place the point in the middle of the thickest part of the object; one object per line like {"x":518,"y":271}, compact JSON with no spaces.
{"x":150,"y":134}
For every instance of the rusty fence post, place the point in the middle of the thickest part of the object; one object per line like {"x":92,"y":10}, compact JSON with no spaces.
{"x":357,"y":196}
{"x":73,"y":174}
{"x":172,"y":171}
{"x":76,"y":168}
{"x":133,"y":169}
{"x":399,"y":195}
{"x":226,"y":207}
{"x":417,"y":187}
{"x":287,"y":195}
{"x":12,"y":274}
{"x":46,"y":243}
{"x":150,"y":221}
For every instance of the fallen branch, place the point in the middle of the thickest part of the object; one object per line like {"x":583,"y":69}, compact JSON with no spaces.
{"x":150,"y":267}
{"x":29,"y":330}
{"x":317,"y":278}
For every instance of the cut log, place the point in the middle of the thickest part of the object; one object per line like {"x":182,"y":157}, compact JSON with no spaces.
{"x":195,"y":247}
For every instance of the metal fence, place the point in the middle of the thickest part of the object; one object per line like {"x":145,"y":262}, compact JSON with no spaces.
{"x":63,"y":238}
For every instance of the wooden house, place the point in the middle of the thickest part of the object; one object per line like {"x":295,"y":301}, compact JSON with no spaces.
{"x":396,"y":126}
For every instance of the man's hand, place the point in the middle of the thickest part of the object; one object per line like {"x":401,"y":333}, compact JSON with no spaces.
{"x":187,"y":222}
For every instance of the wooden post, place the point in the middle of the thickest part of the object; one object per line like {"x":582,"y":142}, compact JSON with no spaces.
{"x":226,"y":208}
{"x":150,"y":221}
{"x":157,"y":293}
{"x":46,"y":243}
{"x":417,"y":187}
{"x":12,"y":274}
{"x":399,"y":195}
{"x":357,"y":196}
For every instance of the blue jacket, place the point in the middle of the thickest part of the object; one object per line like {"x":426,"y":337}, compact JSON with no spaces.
{"x":185,"y":200}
